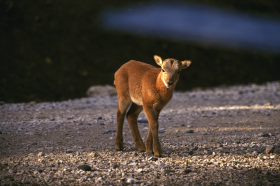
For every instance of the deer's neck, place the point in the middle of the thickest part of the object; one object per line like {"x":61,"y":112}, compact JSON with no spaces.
{"x":164,"y":92}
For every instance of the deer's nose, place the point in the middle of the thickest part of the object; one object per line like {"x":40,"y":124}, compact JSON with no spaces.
{"x":170,"y":83}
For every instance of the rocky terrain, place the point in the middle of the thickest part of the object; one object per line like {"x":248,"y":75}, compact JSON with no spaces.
{"x":217,"y":136}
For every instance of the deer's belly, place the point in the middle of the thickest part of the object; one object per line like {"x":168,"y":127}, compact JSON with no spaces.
{"x":136,"y":100}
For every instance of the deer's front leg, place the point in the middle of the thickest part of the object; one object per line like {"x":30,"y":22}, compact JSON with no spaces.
{"x":152,"y":139}
{"x":149,"y":141}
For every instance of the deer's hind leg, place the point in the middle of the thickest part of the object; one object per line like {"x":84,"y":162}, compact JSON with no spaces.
{"x":131,"y":116}
{"x":124,"y":101}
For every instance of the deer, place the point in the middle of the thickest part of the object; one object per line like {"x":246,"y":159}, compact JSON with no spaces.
{"x":143,"y":86}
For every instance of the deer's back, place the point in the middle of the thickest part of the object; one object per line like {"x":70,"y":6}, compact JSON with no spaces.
{"x":132,"y":77}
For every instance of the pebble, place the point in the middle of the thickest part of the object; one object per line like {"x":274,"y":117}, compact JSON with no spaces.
{"x":84,"y":167}
{"x":142,"y":121}
{"x":109,"y":131}
{"x":263,"y":135}
{"x":269,"y":149}
{"x":153,"y":159}
{"x":130,"y":180}
{"x":161,"y":131}
{"x":195,"y":148}
{"x":115,"y":165}
{"x":186,"y":171}
{"x":207,"y":133}
{"x":213,"y":125}
{"x":189,"y":131}
{"x":40,"y":154}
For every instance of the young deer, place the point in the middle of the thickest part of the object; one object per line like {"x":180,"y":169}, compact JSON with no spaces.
{"x":145,"y":86}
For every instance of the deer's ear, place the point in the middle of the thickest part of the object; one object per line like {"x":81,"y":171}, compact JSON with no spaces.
{"x":185,"y":63}
{"x":158,"y":60}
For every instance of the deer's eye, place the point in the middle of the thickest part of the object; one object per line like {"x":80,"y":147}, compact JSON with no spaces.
{"x":162,"y":70}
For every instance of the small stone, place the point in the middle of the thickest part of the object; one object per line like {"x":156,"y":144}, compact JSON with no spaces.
{"x":183,"y":125}
{"x":208,"y":152}
{"x":130,"y":180}
{"x":269,"y":149}
{"x":34,"y":143}
{"x":213,"y":125}
{"x":186,"y":171}
{"x":260,"y":149}
{"x":191,"y":153}
{"x":69,"y":151}
{"x":161,"y":131}
{"x":195,"y":148}
{"x":132,"y":164}
{"x":109,"y":131}
{"x":101,"y":90}
{"x":153,"y":159}
{"x":115,"y":166}
{"x":167,"y":151}
{"x":99,"y":118}
{"x":40,"y":154}
{"x":167,"y":171}
{"x":263,"y":135}
{"x":189,"y":131}
{"x":225,"y":150}
{"x":84,"y":167}
{"x":190,"y":126}
{"x":101,"y":124}
{"x":142,"y":121}
{"x":12,"y":171}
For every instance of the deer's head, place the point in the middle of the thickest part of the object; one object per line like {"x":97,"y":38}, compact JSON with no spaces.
{"x":170,"y":69}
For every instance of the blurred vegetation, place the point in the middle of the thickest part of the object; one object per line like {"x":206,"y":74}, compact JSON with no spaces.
{"x":55,"y":50}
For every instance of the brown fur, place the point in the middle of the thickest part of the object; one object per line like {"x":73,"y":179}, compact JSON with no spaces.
{"x":145,"y":87}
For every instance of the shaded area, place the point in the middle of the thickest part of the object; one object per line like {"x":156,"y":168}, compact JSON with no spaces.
{"x":54,"y":50}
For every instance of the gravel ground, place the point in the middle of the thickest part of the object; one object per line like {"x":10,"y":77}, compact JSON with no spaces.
{"x":218,"y":136}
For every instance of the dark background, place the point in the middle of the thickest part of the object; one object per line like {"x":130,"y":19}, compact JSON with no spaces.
{"x":55,"y":50}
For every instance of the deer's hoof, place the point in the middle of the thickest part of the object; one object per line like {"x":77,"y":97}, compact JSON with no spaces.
{"x":157,"y":154}
{"x":119,"y":147}
{"x":143,"y":149}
